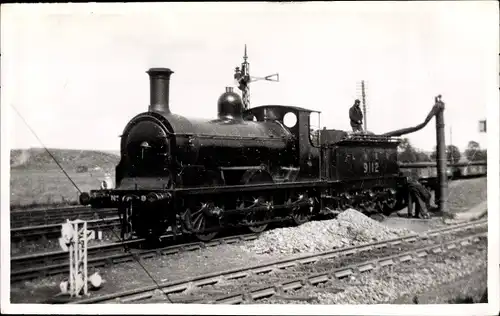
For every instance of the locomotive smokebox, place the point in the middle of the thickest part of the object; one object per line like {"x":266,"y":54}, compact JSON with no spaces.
{"x":159,"y":80}
{"x":229,"y":105}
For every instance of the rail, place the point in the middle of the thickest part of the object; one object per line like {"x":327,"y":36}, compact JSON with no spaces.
{"x":54,"y":230}
{"x":40,"y":217}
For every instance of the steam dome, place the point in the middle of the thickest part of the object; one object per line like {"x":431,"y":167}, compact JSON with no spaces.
{"x":230,"y":105}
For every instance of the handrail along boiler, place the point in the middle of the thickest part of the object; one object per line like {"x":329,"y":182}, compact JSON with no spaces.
{"x":244,"y":168}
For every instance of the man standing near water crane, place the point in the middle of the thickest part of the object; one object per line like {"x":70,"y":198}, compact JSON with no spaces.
{"x":422,"y":199}
{"x":356,"y":117}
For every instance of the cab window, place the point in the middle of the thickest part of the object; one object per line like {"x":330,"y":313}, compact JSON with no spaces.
{"x":314,"y":128}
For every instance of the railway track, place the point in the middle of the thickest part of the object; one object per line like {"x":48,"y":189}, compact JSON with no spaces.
{"x":41,"y":217}
{"x":347,"y":260}
{"x":32,"y":266}
{"x":53,"y":231}
{"x":332,"y":274}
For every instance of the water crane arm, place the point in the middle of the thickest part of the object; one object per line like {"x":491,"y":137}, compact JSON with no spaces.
{"x":442,"y":185}
{"x":438,"y":107}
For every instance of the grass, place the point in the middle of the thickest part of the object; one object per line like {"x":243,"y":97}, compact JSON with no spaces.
{"x":34,"y":188}
{"x":36,"y":180}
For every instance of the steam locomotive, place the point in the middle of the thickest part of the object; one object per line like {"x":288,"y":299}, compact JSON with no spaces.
{"x":245,"y":168}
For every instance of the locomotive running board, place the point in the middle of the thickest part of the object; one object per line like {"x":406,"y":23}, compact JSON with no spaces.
{"x":249,"y":187}
{"x":271,"y":186}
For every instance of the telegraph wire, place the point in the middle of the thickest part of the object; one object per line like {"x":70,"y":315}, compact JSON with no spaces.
{"x":47,"y":150}
{"x":127,"y":249}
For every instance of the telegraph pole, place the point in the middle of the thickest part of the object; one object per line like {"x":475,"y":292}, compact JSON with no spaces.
{"x":451,"y":143}
{"x":363,"y":100}
{"x":363,"y":95}
{"x":242,"y":76}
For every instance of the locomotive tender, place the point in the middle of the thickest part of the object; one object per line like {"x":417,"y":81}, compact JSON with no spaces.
{"x":244,"y":168}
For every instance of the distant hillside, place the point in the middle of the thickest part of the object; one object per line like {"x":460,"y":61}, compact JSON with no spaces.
{"x":71,"y":159}
{"x":114,"y":152}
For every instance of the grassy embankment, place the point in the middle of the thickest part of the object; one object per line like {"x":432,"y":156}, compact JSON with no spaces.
{"x":37,"y":181}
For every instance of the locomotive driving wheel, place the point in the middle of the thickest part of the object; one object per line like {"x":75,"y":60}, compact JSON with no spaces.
{"x":204,"y":215}
{"x":255,"y":217}
{"x":200,"y":219}
{"x":303,"y":208}
{"x":255,"y":177}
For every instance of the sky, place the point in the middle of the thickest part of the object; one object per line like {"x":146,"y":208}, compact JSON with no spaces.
{"x":77,"y":72}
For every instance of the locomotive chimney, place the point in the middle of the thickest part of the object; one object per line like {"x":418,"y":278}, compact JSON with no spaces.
{"x":159,"y":80}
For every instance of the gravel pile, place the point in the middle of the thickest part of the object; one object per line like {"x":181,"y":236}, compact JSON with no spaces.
{"x":349,"y":228}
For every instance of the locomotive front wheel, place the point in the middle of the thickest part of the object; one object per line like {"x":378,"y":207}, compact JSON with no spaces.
{"x":206,"y":237}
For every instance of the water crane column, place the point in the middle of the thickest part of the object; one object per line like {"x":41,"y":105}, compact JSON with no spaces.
{"x":442,"y":194}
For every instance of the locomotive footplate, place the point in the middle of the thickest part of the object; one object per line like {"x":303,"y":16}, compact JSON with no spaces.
{"x":115,"y":198}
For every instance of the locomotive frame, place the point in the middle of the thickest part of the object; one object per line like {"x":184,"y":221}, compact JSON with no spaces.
{"x":244,"y":168}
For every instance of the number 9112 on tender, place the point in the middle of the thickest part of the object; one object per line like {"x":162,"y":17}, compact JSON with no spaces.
{"x":371,"y":167}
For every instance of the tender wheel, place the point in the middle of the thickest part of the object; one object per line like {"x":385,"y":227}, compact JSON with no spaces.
{"x":389,"y":207}
{"x":344,"y":203}
{"x":257,"y":229}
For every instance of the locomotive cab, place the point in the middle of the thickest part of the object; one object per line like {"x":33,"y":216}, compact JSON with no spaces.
{"x":297,"y":121}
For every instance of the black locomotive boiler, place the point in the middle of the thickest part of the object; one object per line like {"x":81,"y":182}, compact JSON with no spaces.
{"x":245,"y":168}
